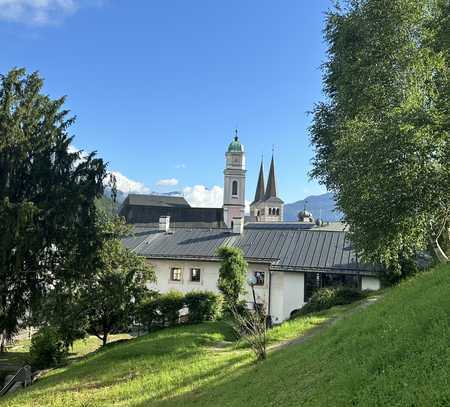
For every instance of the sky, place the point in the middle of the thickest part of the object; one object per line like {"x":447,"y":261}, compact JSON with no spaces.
{"x":159,"y":86}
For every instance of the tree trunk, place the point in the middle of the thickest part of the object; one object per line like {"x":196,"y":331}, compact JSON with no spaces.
{"x":2,"y":342}
{"x":105,"y":338}
{"x":440,"y":254}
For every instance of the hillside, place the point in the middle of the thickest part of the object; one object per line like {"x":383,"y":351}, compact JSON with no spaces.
{"x":392,"y":353}
{"x":322,"y":206}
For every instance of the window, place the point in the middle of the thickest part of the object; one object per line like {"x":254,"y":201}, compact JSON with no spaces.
{"x":234,"y":188}
{"x":175,"y":274}
{"x":260,"y":277}
{"x":314,"y":281}
{"x":278,"y":211}
{"x":195,"y":274}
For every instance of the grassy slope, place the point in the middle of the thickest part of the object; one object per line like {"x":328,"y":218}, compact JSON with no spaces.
{"x":395,"y":352}
{"x":154,"y":366}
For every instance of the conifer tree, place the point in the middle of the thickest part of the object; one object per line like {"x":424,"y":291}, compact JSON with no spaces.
{"x":47,"y":195}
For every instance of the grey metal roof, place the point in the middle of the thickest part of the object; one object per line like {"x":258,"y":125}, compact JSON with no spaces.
{"x":156,"y":200}
{"x":139,"y":209}
{"x":312,"y":250}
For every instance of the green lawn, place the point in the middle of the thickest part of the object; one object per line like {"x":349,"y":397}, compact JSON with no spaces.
{"x":393,"y":353}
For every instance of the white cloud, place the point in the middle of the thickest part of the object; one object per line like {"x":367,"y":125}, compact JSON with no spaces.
{"x":180,"y":166}
{"x":169,"y":182}
{"x":128,"y":186}
{"x":201,"y":196}
{"x":37,"y":12}
{"x":124,"y":184}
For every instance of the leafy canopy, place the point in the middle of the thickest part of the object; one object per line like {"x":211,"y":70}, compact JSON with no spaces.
{"x":232,"y":274}
{"x":382,"y":135}
{"x":112,"y":295}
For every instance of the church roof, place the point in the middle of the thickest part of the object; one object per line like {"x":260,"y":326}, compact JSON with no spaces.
{"x":271,"y":189}
{"x":299,"y":249}
{"x":235,"y":146}
{"x":147,"y":209}
{"x":259,"y":194}
{"x":156,"y":200}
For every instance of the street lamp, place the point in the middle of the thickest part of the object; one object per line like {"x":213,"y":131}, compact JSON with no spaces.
{"x":252,"y":282}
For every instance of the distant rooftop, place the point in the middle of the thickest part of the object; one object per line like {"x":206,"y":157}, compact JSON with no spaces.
{"x":157,"y":200}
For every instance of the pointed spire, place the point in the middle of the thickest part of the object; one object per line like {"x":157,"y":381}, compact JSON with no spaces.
{"x":259,"y":194}
{"x":271,"y":189}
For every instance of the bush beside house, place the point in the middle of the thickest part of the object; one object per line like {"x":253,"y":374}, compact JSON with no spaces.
{"x":203,"y":306}
{"x":164,"y":310}
{"x":325,"y":298}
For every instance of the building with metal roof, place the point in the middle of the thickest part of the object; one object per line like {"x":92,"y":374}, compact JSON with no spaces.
{"x":291,"y":260}
{"x":288,"y":260}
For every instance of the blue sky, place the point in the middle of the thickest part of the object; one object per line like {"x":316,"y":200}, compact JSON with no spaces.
{"x":158,"y":87}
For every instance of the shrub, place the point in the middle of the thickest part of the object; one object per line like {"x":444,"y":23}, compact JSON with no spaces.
{"x":47,"y":348}
{"x":169,"y":306}
{"x":203,"y":306}
{"x":347,"y":295}
{"x":325,"y":298}
{"x":149,"y":314}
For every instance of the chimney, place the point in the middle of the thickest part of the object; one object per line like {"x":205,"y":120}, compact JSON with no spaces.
{"x":164,"y":224}
{"x":238,"y":226}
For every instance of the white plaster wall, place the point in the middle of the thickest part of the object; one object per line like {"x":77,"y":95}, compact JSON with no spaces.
{"x":287,"y":294}
{"x":209,"y":275}
{"x":370,"y":283}
{"x":277,"y":297}
{"x":293,"y":292}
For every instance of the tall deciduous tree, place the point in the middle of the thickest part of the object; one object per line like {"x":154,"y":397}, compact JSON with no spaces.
{"x":112,"y":295}
{"x":232,"y":274}
{"x":382,"y":135}
{"x":47,"y":211}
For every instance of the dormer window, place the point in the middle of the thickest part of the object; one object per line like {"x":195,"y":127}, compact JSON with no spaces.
{"x":234,"y":188}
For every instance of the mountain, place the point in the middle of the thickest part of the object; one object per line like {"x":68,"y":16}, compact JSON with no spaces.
{"x":321,"y":206}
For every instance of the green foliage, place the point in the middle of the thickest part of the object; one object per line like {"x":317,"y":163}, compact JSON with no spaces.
{"x":169,"y":306}
{"x":232,"y":274}
{"x":62,"y":308}
{"x":107,"y":205}
{"x":382,"y":137}
{"x":111,"y":296}
{"x":47,"y":195}
{"x":47,"y":348}
{"x":325,"y":298}
{"x":148,"y":313}
{"x":203,"y":306}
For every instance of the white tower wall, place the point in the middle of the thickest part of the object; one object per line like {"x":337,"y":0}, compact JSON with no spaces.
{"x":234,"y":173}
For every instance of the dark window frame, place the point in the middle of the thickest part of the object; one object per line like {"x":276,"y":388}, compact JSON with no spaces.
{"x":172,"y":274}
{"x":234,"y":188}
{"x":198,"y":279}
{"x":258,"y":280}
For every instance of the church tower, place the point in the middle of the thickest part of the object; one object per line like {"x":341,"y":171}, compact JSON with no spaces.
{"x":267,"y":207}
{"x":259,"y":194}
{"x":234,"y":183}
